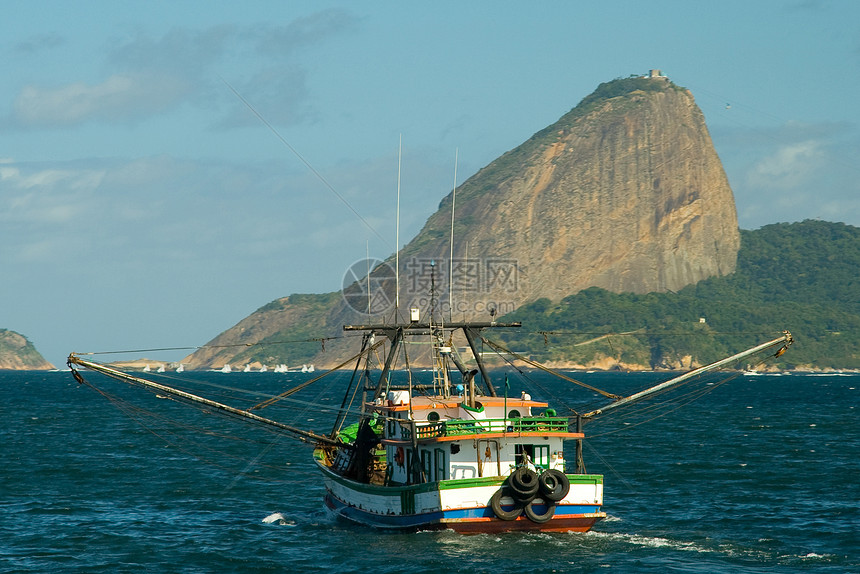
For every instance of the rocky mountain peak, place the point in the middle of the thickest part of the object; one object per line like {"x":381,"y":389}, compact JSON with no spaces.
{"x":624,"y":192}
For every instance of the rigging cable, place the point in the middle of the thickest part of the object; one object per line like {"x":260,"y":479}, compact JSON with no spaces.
{"x":173,"y":439}
{"x":304,"y":161}
{"x":502,"y":349}
{"x":691,"y":396}
{"x":289,"y":392}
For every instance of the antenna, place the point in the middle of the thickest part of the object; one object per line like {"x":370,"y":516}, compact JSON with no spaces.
{"x":397,"y":237}
{"x":367,"y":260}
{"x":451,"y":258}
{"x":432,"y":291}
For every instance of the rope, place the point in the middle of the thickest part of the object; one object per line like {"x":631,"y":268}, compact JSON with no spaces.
{"x":321,"y":340}
{"x":691,"y":396}
{"x":644,"y":332}
{"x":501,"y":348}
{"x":171,"y":438}
{"x":276,"y":398}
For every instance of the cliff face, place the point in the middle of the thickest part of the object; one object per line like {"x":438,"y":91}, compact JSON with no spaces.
{"x":17,"y":353}
{"x":624,"y":192}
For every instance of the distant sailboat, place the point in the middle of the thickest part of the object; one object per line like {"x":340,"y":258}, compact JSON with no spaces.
{"x":226,"y":369}
{"x":181,"y":368}
{"x":146,"y":369}
{"x":160,"y":369}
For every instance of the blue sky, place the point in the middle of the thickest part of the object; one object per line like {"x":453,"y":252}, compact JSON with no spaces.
{"x":143,"y":204}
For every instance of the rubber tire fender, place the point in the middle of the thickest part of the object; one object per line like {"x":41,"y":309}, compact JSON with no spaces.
{"x":554,"y":485}
{"x":496,"y":506}
{"x":523,"y":483}
{"x":540,"y":518}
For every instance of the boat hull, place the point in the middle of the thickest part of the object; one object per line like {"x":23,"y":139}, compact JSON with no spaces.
{"x":459,"y":505}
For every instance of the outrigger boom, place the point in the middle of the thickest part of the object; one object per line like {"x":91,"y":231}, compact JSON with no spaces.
{"x":786,"y":340}
{"x":114,"y":373}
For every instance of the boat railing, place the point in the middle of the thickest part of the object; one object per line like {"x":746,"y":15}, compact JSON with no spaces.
{"x":469,"y":427}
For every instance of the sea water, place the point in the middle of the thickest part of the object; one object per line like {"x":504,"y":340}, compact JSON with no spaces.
{"x":760,"y":475}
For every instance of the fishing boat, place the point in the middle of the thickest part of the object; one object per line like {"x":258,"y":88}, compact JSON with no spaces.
{"x":455,"y":456}
{"x":454,"y":451}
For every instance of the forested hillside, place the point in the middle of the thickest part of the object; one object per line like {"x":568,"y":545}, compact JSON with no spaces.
{"x":802,"y":277}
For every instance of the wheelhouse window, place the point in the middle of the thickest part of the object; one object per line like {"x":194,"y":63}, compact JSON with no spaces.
{"x":441,"y":464}
{"x":426,"y":466}
{"x":537,"y":454}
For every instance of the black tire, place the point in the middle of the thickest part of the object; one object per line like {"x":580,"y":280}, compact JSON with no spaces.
{"x":554,"y":485}
{"x":540,"y":518}
{"x":523,"y":484}
{"x":496,"y":506}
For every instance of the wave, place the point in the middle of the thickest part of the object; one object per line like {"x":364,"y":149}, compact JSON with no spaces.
{"x":279,"y":519}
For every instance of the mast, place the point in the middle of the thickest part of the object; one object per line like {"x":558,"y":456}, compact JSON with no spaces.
{"x":367,"y":259}
{"x":785,"y":341}
{"x":341,"y":415}
{"x":395,"y":334}
{"x":451,"y":257}
{"x":472,"y":336}
{"x":396,"y":337}
{"x":397,"y":237}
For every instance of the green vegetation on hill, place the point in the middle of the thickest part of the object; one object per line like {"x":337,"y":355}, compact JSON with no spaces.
{"x":803,"y":277}
{"x":302,"y":340}
{"x":621,"y":87}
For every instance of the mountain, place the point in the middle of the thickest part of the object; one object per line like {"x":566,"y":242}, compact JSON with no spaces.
{"x":625,"y":192}
{"x":18,"y":353}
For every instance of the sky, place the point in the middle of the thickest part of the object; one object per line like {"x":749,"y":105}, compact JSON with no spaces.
{"x":167,"y":168}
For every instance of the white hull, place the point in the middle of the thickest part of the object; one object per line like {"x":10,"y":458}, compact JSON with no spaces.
{"x":462,"y":505}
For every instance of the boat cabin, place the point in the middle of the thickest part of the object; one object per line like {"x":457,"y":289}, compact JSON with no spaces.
{"x":430,"y":439}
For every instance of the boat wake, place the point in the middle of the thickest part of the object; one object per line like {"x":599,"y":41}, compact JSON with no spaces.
{"x":727,"y":549}
{"x":650,"y":541}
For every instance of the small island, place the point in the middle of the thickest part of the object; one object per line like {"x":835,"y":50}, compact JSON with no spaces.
{"x":18,"y":353}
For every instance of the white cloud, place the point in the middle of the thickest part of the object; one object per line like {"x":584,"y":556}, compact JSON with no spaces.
{"x":792,"y":172}
{"x":791,"y":166}
{"x":151,"y":74}
{"x":44,"y":196}
{"x":119,"y":97}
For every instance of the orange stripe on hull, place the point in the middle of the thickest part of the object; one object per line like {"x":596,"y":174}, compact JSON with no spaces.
{"x":581,"y":523}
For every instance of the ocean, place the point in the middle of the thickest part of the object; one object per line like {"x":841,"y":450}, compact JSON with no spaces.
{"x":760,"y":475}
